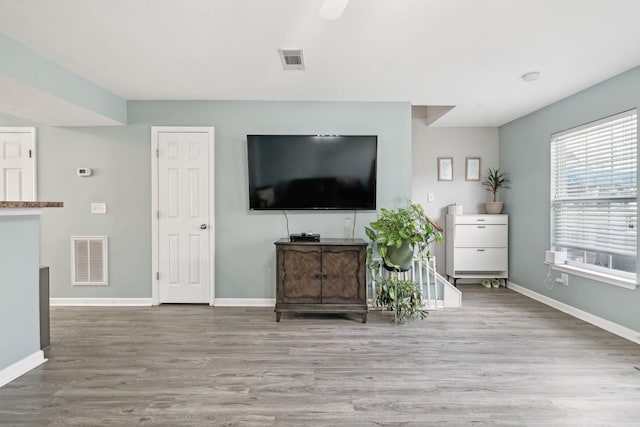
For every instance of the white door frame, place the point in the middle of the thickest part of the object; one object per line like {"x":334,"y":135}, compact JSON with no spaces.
{"x":155,"y":247}
{"x":32,"y":131}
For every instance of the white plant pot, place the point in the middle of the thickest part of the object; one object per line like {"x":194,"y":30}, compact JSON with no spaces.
{"x":493,"y":207}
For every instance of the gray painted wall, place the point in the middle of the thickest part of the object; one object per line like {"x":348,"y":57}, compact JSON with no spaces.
{"x":524,"y":154}
{"x":121,"y":160}
{"x":245,"y":255}
{"x":19,"y":315}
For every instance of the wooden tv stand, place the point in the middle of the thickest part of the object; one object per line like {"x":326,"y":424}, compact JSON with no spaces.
{"x":328,"y":276}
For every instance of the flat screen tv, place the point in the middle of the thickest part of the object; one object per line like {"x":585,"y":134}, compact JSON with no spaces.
{"x":297,"y":172}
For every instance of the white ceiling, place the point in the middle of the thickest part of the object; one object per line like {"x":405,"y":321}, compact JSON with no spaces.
{"x":466,"y":53}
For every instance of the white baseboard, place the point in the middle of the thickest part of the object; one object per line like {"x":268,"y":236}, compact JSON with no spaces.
{"x":605,"y":324}
{"x":134,"y":302}
{"x":245,"y":302}
{"x":21,"y":367}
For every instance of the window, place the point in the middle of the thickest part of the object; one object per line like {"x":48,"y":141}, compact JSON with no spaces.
{"x":594,"y":194}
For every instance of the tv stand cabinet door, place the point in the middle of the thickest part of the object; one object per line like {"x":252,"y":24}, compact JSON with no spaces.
{"x":299,"y":274}
{"x":343,"y":275}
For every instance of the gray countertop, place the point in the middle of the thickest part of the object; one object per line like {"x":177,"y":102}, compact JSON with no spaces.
{"x":24,"y":205}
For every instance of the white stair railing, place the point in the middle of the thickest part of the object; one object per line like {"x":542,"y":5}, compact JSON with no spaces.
{"x":437,"y":292}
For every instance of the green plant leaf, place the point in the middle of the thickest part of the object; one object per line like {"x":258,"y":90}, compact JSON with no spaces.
{"x":382,"y":250}
{"x":370,"y":233}
{"x":402,"y":296}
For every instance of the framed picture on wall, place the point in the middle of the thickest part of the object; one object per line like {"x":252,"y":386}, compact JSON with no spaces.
{"x":445,"y":168}
{"x":472,"y":169}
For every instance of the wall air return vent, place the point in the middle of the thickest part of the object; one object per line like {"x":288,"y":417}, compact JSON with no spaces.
{"x":292,"y":59}
{"x":89,"y":260}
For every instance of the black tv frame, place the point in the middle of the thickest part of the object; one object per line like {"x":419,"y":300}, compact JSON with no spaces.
{"x":369,"y":204}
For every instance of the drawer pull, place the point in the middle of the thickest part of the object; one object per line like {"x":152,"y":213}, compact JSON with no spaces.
{"x":481,"y":220}
{"x":482,"y":226}
{"x":480,"y":250}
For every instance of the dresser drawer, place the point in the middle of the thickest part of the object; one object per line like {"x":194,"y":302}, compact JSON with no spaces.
{"x":481,"y":235}
{"x":481,"y":259}
{"x":481,"y":219}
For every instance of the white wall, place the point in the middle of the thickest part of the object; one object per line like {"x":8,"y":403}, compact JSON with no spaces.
{"x":429,"y":143}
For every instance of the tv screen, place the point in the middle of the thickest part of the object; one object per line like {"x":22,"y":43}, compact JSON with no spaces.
{"x":312,"y":172}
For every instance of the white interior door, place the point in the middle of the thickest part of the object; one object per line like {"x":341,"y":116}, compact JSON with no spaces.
{"x":17,"y":164}
{"x":184,"y":215}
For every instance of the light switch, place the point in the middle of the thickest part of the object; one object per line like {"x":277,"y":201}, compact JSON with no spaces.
{"x":430,"y":197}
{"x":98,"y":208}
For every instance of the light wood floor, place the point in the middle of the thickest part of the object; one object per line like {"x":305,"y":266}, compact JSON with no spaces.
{"x":502,"y":359}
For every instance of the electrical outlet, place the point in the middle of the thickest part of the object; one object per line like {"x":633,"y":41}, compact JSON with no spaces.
{"x":564,"y":279}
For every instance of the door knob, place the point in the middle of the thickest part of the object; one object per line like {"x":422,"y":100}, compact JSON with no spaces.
{"x":203,"y":226}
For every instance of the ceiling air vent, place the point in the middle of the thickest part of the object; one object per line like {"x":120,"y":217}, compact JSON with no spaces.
{"x":292,"y":59}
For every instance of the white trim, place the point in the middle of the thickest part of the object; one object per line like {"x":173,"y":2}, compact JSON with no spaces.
{"x":595,"y":275}
{"x":34,"y":158}
{"x":601,"y":323}
{"x":33,"y":132}
{"x":21,"y":367}
{"x":155,"y":264}
{"x":98,"y":302}
{"x":212,"y":218}
{"x":245,"y":302}
{"x":438,"y":304}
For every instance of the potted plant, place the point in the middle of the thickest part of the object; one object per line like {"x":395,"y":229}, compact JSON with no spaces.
{"x":494,"y":181}
{"x":399,"y":235}
{"x":401,"y":296}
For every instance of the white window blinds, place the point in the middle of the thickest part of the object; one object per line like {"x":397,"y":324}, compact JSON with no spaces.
{"x":594,"y":188}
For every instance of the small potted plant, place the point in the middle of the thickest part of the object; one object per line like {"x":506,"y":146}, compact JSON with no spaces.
{"x":494,"y":181}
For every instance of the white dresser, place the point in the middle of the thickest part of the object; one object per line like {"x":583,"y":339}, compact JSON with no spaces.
{"x":477,"y":247}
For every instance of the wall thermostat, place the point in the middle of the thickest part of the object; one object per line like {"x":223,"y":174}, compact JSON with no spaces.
{"x":84,"y":172}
